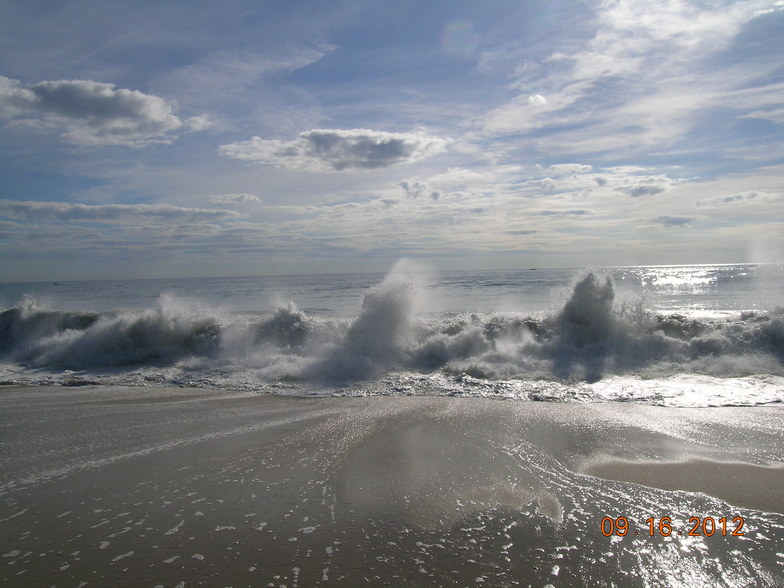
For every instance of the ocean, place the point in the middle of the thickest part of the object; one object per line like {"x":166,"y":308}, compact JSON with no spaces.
{"x":616,"y":427}
{"x":698,"y":335}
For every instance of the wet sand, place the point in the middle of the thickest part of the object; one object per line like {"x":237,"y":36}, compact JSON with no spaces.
{"x":748,"y":486}
{"x":108,"y":486}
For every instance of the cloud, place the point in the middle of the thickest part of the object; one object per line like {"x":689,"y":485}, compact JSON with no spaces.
{"x":644,"y":76}
{"x":93,"y":113}
{"x":637,"y":191}
{"x":775,"y":115}
{"x":673,"y":221}
{"x":337,"y":149}
{"x":200,"y":123}
{"x":546,"y":184}
{"x":417,"y":188}
{"x":223,"y":74}
{"x":759,"y":196}
{"x":572,"y":212}
{"x":34,"y":211}
{"x":456,"y":176}
{"x":567,"y":169}
{"x":524,"y":113}
{"x":235,"y":198}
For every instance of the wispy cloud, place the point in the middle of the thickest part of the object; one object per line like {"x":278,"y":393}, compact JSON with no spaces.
{"x":752,"y":197}
{"x":338,"y":150}
{"x":243,"y":198}
{"x":565,"y":169}
{"x":641,"y":190}
{"x":111,"y":213}
{"x":644,"y":79}
{"x":674,"y":221}
{"x":221,"y":74}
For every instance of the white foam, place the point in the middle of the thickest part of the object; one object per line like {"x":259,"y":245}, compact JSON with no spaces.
{"x":123,"y":556}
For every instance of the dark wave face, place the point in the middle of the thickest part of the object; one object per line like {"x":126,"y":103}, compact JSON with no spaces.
{"x":591,"y":338}
{"x":87,"y":340}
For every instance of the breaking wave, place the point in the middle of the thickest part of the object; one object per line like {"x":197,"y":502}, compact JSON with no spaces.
{"x":80,"y":340}
{"x":590,"y":338}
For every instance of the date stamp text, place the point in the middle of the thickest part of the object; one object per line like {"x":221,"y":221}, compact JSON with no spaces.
{"x":696,"y":526}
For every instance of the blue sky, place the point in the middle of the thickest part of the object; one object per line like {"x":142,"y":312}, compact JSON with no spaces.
{"x":153,"y":139}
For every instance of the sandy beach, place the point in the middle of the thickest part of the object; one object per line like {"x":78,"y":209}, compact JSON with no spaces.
{"x":103,"y":486}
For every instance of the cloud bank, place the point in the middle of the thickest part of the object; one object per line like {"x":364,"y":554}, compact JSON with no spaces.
{"x":337,"y":149}
{"x":65,"y":211}
{"x":92,"y":113}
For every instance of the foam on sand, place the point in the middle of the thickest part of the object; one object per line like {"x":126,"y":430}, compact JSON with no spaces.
{"x":375,"y":490}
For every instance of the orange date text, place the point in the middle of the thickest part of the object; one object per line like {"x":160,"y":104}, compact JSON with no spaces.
{"x":663,"y":526}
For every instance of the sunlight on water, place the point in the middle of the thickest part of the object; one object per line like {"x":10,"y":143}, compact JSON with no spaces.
{"x":693,"y":278}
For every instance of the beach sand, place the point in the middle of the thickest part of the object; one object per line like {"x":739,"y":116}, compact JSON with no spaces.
{"x":104,"y":486}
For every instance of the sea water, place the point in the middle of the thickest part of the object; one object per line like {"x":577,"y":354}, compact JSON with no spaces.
{"x":698,"y":335}
{"x":418,"y":491}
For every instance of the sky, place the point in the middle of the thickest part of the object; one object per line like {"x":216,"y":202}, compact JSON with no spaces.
{"x":176,"y":139}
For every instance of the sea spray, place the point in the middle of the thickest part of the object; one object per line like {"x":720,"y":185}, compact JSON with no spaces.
{"x":585,"y":328}
{"x":380,"y":337}
{"x":287,"y":327}
{"x":587,"y":317}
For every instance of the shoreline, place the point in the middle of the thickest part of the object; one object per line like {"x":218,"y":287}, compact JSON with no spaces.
{"x":125,"y":487}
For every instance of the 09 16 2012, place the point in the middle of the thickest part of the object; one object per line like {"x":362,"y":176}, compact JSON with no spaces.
{"x":663,"y":526}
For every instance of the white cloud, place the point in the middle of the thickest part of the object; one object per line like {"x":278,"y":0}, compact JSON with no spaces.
{"x":456,"y":176}
{"x":637,"y":186}
{"x":35,"y":211}
{"x":642,"y":190}
{"x":546,"y":184}
{"x":674,"y":221}
{"x":92,"y":113}
{"x":757,"y":197}
{"x":568,"y":169}
{"x":337,"y":149}
{"x":581,"y":182}
{"x":636,"y":36}
{"x":417,"y":188}
{"x":559,"y":212}
{"x":537,"y":100}
{"x":235,"y":198}
{"x":200,"y":123}
{"x":525,"y":112}
{"x":775,"y":115}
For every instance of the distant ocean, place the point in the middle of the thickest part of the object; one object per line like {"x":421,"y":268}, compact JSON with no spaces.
{"x":698,"y":335}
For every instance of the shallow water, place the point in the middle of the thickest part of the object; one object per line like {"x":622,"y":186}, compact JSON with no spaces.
{"x":140,"y":486}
